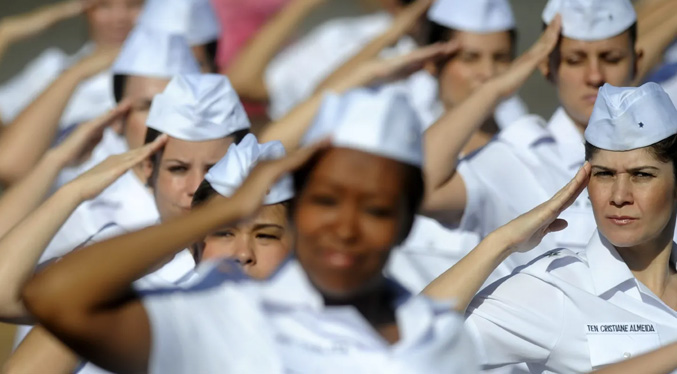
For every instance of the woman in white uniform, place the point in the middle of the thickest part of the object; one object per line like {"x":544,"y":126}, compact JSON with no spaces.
{"x":329,"y":310}
{"x":530,"y":159}
{"x":577,"y":310}
{"x":260,"y":244}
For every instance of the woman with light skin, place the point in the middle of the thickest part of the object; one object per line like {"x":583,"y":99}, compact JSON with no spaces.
{"x":355,"y":200}
{"x":261,"y":243}
{"x":616,"y":299}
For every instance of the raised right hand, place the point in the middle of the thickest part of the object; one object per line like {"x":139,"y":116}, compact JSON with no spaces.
{"x":99,"y":60}
{"x":526,"y":231}
{"x":511,"y":80}
{"x":22,"y":26}
{"x":93,"y":182}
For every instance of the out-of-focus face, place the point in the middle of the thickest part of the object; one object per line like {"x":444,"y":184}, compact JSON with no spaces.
{"x":348,"y":216}
{"x":259,"y":244}
{"x":111,"y":20}
{"x":140,"y":90}
{"x":633,"y":197}
{"x":181,"y":169}
{"x":585,"y":66}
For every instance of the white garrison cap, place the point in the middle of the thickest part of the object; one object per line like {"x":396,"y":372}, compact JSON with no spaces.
{"x":480,"y":16}
{"x":153,"y":53}
{"x":381,"y":122}
{"x":231,"y":171}
{"x":590,"y":20}
{"x":198,"y":107}
{"x":626,"y":118}
{"x":194,"y":19}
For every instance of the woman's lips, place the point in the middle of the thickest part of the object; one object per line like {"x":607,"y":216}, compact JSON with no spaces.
{"x":339,"y":259}
{"x":590,"y":99}
{"x":621,"y":220}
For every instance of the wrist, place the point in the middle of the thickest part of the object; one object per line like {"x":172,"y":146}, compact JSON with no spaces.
{"x":499,"y":245}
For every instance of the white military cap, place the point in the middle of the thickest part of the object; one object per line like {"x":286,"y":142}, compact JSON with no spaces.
{"x":198,"y":107}
{"x":479,"y":16}
{"x":154,"y":53}
{"x":380,"y":122}
{"x":626,"y":118}
{"x":591,"y":20}
{"x":231,"y":171}
{"x":194,"y":19}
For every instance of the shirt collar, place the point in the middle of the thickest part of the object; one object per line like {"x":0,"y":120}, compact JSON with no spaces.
{"x":607,"y":267}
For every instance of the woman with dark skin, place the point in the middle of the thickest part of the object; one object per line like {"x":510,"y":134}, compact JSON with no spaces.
{"x":355,"y":201}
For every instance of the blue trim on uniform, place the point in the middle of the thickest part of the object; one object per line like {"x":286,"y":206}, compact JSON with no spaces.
{"x":663,"y":73}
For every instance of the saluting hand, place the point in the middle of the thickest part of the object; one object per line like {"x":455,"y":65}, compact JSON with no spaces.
{"x":22,"y":26}
{"x":94,"y":181}
{"x":78,"y":146}
{"x":510,"y":81}
{"x":99,"y":60}
{"x":526,"y":231}
{"x":249,"y":196}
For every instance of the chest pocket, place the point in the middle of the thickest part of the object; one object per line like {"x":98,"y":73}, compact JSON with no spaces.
{"x":607,"y":347}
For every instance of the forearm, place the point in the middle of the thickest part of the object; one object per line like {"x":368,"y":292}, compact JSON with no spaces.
{"x":246,"y":72}
{"x":461,"y":282}
{"x":445,"y":139}
{"x":289,"y":130}
{"x":21,"y":248}
{"x":663,"y":360}
{"x":100,"y":276}
{"x":27,"y":138}
{"x":651,"y":14}
{"x":41,"y":352}
{"x":23,"y":197}
{"x":655,"y":42}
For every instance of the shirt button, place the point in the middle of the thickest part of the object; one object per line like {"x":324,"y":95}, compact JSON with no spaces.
{"x":627,"y":355}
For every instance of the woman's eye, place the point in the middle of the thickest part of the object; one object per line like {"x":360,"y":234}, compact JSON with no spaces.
{"x":177,"y":169}
{"x":267,"y":237}
{"x":380,"y":212}
{"x":224,"y":234}
{"x":643,"y":175}
{"x":323,"y":200}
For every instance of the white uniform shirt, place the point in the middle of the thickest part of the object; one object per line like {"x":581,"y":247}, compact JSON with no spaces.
{"x":91,"y":98}
{"x":522,"y":168}
{"x":283,"y":326}
{"x":127,"y":203}
{"x":570,"y":312}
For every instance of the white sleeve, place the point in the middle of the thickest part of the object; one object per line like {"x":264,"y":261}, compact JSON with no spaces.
{"x":17,"y":93}
{"x":478,"y":207}
{"x":518,"y":319}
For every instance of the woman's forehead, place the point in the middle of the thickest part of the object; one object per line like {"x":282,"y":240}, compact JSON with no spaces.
{"x":626,"y":159}
{"x":353,"y":168}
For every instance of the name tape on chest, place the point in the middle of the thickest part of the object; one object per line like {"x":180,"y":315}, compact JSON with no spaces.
{"x":620,"y":328}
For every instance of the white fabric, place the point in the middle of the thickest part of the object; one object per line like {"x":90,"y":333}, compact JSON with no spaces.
{"x":90,"y":99}
{"x":152,"y":53}
{"x":194,"y":19}
{"x":282,"y":326}
{"x":293,"y":75}
{"x":523,"y":167}
{"x":591,"y":20}
{"x":480,"y":16}
{"x":111,"y":144}
{"x":566,"y":312}
{"x":198,"y":107}
{"x":127,"y":203}
{"x":430,"y":250}
{"x":379,"y":121}
{"x":232,"y":170}
{"x":626,"y":118}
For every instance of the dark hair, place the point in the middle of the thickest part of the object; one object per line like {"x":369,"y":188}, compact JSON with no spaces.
{"x":119,"y":81}
{"x":556,"y":56}
{"x":413,"y":182}
{"x":663,"y":151}
{"x":439,"y":33}
{"x":211,"y":49}
{"x":152,"y":134}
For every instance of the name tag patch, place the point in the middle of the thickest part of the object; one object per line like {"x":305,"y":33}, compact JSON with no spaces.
{"x":620,"y":328}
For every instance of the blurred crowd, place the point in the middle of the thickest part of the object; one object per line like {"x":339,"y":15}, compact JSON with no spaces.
{"x":200,"y":189}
